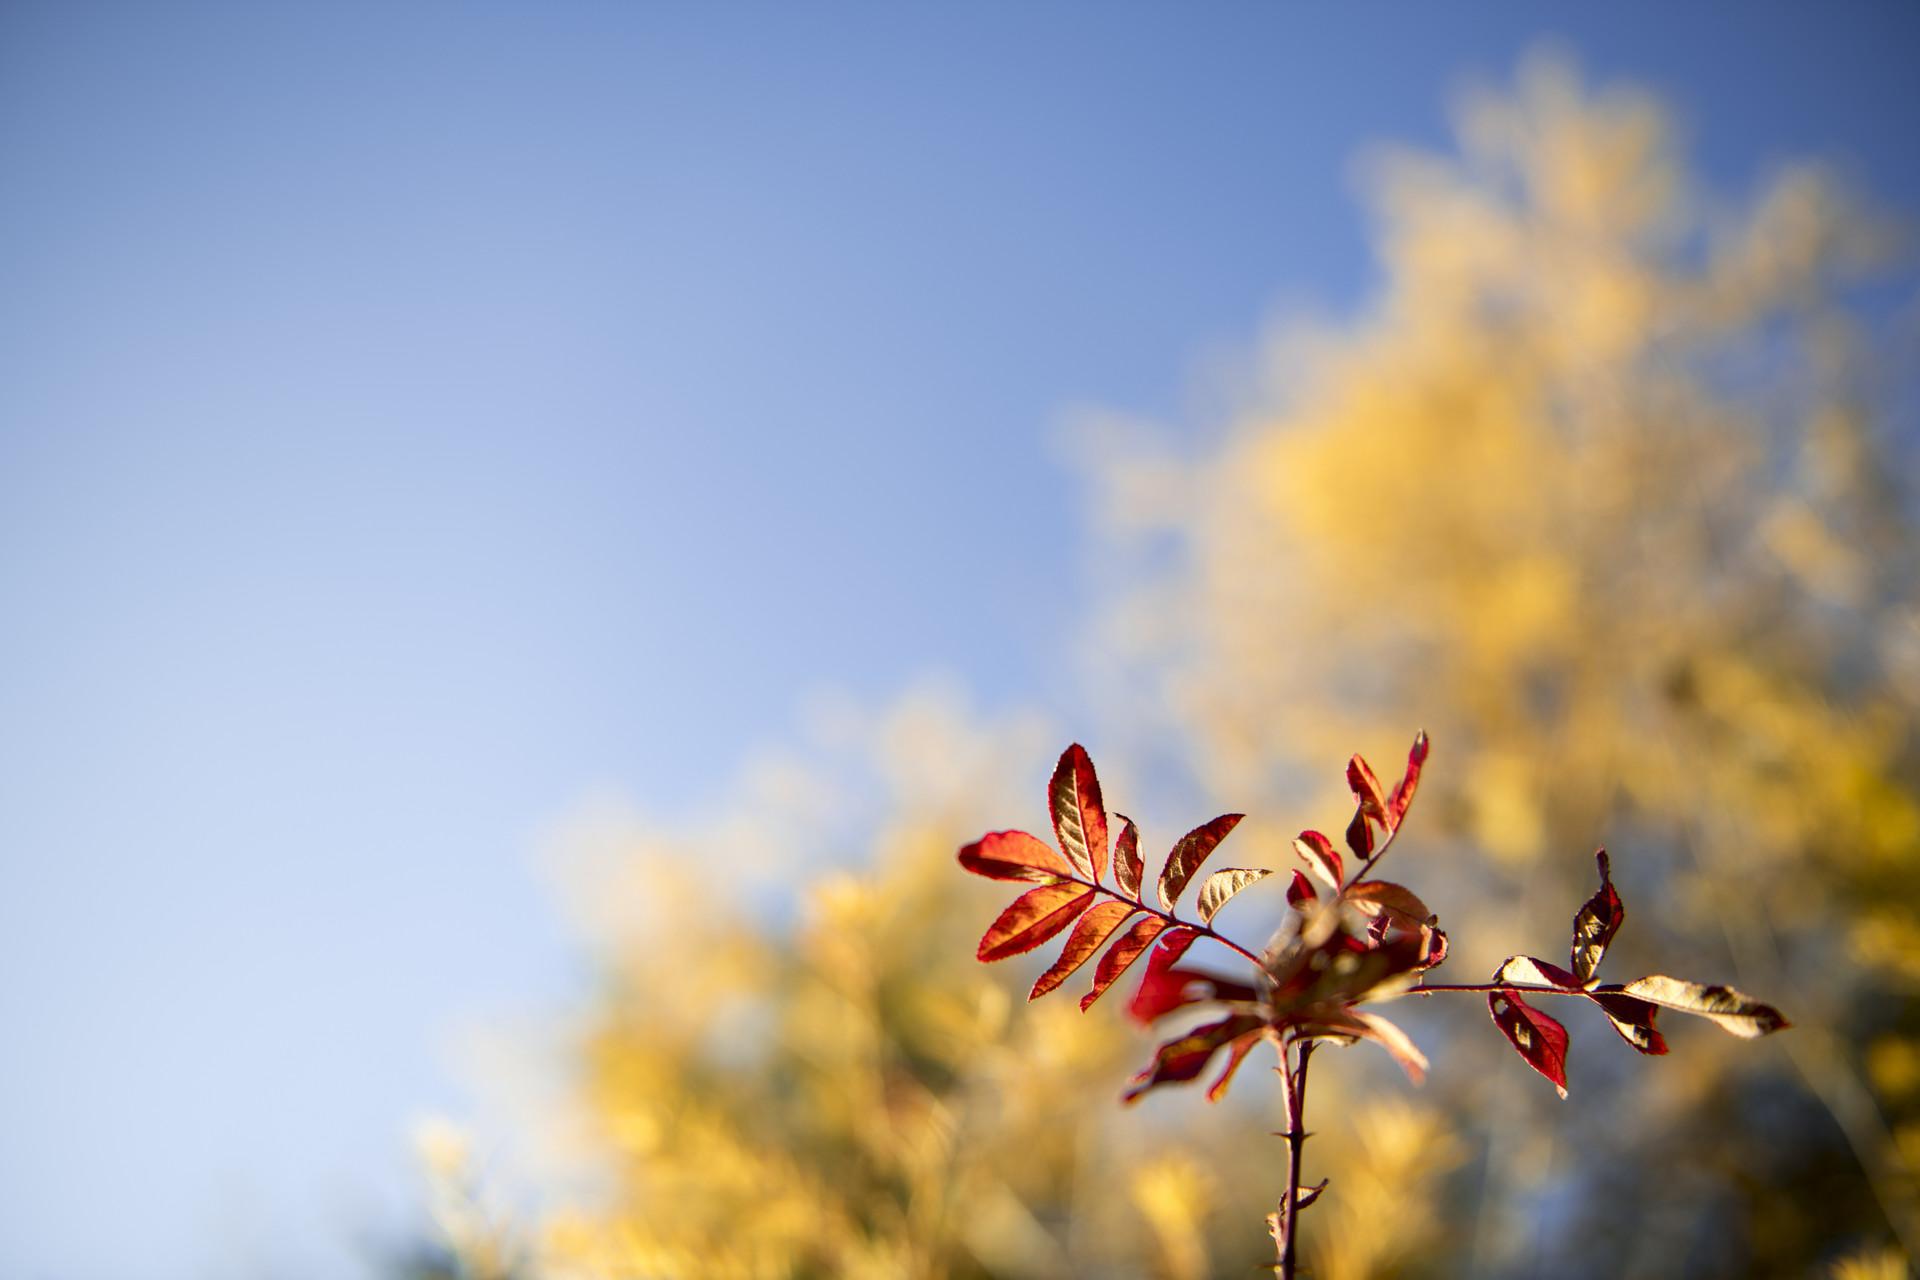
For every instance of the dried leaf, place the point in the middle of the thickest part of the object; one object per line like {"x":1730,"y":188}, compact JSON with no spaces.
{"x":1366,"y":789}
{"x":1533,"y":971}
{"x":1222,"y":885}
{"x":1373,"y":896}
{"x":1409,"y":782}
{"x":1190,"y":852}
{"x":1035,"y":916}
{"x":1078,"y":817}
{"x":1740,"y":1014}
{"x":1304,"y":1196}
{"x":1014,"y":855}
{"x":1633,"y":1019}
{"x":1599,"y":919}
{"x":1322,"y":859}
{"x":1236,"y":1054}
{"x":1121,"y":955}
{"x":1186,"y":1057}
{"x":1538,"y":1038}
{"x":1089,"y":934}
{"x":1126,"y":858}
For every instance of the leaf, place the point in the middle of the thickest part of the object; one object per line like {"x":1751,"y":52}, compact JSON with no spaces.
{"x":1078,"y":817}
{"x":1395,"y":1041}
{"x":1360,"y":835}
{"x":1535,"y":1036}
{"x":1633,"y":1019}
{"x":1090,"y":932}
{"x":1190,"y":852}
{"x":1409,"y":782}
{"x":1533,"y":971}
{"x":1366,"y":789}
{"x":1322,"y":859}
{"x":1301,"y":892}
{"x":1126,"y":858}
{"x":1184,"y":1058}
{"x":1014,"y":855}
{"x":1222,"y":885}
{"x":1035,"y":916}
{"x":1121,"y":955}
{"x":1599,"y":919}
{"x":1304,"y":1196}
{"x":1373,"y":896}
{"x":1236,"y":1054}
{"x":1740,"y":1014}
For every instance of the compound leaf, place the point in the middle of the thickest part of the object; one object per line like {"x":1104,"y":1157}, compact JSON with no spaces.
{"x":1121,"y":955}
{"x":1090,"y":932}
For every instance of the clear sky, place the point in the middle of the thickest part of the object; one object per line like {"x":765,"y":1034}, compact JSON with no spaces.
{"x":415,"y":418}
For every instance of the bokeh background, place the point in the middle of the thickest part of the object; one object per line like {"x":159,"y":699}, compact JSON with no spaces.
{"x":529,"y":533}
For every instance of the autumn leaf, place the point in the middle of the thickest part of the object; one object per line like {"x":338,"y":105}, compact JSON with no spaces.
{"x":1360,"y":835}
{"x":1222,"y":885}
{"x":1533,"y":971}
{"x":1192,"y":850}
{"x":1184,"y":1058}
{"x":1236,"y":1054}
{"x":1633,"y":1019}
{"x":1126,"y":858}
{"x":1121,"y":955}
{"x":1014,"y":855}
{"x":1366,"y":789}
{"x":1090,"y":932}
{"x":1409,"y":782}
{"x":1301,"y":893}
{"x":1373,"y":896}
{"x":1322,"y":859}
{"x":1079,"y":820}
{"x":1735,"y":1012}
{"x":1535,"y":1036}
{"x":1033,"y":917}
{"x":1598,"y":920}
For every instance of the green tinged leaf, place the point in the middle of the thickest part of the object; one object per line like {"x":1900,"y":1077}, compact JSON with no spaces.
{"x":1089,"y":932}
{"x":1598,"y":920}
{"x":1014,"y":855}
{"x":1222,"y":885}
{"x":1130,"y":947}
{"x":1079,"y":820}
{"x":1734,"y":1011}
{"x":1034,"y":916}
{"x":1192,"y":850}
{"x":1127,"y":867}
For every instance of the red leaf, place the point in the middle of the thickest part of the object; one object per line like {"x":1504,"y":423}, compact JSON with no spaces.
{"x":1301,"y":892}
{"x":1126,"y":858}
{"x":1186,"y":1057}
{"x":1322,"y":859}
{"x":1190,"y":852}
{"x":1035,"y":916}
{"x":1090,"y":932}
{"x":1014,"y":855}
{"x":1366,"y":789}
{"x":1162,"y":990}
{"x":1395,"y":1041}
{"x":1236,"y":1054}
{"x":1375,"y":896}
{"x":1633,"y":1019}
{"x":1534,"y":971}
{"x":1121,"y":955}
{"x":1360,"y":835}
{"x":1535,"y":1036}
{"x":1409,"y":782}
{"x":1079,"y":819}
{"x":1599,"y":919}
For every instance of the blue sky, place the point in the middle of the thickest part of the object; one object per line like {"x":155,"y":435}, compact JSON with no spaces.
{"x":416,"y":418}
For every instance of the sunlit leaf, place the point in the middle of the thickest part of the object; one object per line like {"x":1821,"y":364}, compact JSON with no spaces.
{"x":1377,"y":895}
{"x":1360,"y":835}
{"x":1014,"y":855}
{"x":1126,"y":858}
{"x":1409,"y":782}
{"x":1366,"y":789}
{"x":1301,"y":894}
{"x":1184,"y":1058}
{"x":1738,"y":1013}
{"x":1538,"y":1038}
{"x":1322,"y":859}
{"x":1236,"y":1054}
{"x":1120,"y":956}
{"x":1395,"y":1041}
{"x":1599,"y":919}
{"x":1222,"y":885}
{"x":1034,"y":916}
{"x":1078,"y":816}
{"x":1090,"y":932}
{"x":1633,"y":1019}
{"x":1535,"y":972}
{"x":1305,"y":1196}
{"x":1190,"y":852}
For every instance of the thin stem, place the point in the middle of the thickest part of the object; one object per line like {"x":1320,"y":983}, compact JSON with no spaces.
{"x":1429,"y":988}
{"x":1170,"y":918}
{"x":1296,"y":1135}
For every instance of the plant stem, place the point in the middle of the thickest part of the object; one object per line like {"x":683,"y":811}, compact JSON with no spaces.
{"x":1170,"y":918}
{"x":1296,"y":1135}
{"x":1429,"y":988}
